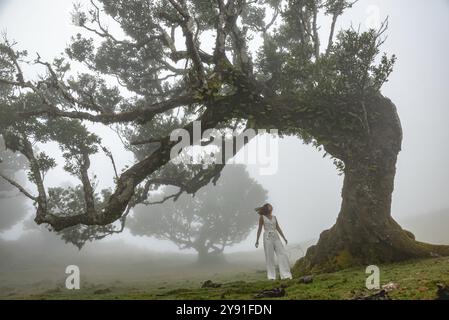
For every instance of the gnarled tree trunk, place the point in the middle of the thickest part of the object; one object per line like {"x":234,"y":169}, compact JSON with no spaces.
{"x":365,"y":233}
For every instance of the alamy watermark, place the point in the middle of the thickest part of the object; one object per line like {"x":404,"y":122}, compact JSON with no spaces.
{"x":225,"y":148}
{"x":373,"y":280}
{"x":72,"y":282}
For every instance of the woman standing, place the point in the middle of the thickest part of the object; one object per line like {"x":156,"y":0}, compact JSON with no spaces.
{"x":272,"y":243}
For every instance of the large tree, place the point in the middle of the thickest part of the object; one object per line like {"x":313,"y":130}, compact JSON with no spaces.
{"x":218,"y":216}
{"x":200,"y":60}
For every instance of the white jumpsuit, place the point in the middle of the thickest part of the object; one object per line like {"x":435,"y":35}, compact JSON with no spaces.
{"x":272,"y":244}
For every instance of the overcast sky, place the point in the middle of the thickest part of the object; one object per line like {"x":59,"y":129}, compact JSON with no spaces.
{"x":305,"y":191}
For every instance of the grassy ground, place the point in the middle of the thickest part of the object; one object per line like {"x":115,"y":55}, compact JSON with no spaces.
{"x":415,"y":280}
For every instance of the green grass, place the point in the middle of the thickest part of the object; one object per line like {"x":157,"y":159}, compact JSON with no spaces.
{"x":416,"y":280}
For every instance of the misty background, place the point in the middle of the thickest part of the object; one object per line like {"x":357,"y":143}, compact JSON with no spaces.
{"x":305,"y":191}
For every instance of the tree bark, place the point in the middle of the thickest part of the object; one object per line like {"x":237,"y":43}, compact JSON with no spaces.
{"x":365,"y":232}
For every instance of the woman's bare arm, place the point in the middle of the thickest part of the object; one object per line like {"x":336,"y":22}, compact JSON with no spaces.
{"x":278,"y":228}
{"x":259,"y":230}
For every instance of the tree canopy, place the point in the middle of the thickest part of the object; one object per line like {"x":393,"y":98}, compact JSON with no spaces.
{"x":179,"y":61}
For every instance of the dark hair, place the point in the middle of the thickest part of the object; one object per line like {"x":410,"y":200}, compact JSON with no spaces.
{"x":265,"y":209}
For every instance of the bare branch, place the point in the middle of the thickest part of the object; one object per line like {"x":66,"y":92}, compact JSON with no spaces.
{"x":19,"y":187}
{"x":240,"y":48}
{"x":142,"y":114}
{"x":109,"y":155}
{"x":315,"y":36}
{"x":174,"y":196}
{"x":220,"y":41}
{"x":187,"y":27}
{"x":331,"y":33}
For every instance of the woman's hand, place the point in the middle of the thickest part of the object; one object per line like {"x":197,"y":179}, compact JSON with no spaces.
{"x":257,"y":244}
{"x":286,"y":242}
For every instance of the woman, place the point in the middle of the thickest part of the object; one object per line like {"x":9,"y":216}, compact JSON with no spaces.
{"x":272,"y":243}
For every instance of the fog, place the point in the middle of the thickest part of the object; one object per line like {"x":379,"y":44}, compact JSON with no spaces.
{"x":305,"y":190}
